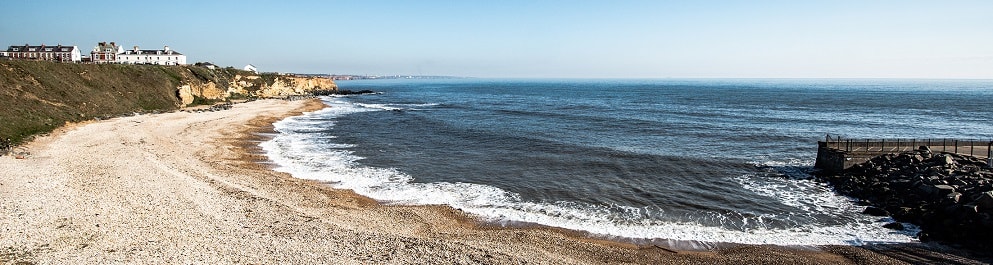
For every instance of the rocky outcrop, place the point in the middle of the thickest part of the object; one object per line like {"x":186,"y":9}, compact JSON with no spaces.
{"x":185,"y":95}
{"x":949,"y":196}
{"x":256,"y":86}
{"x":290,"y":86}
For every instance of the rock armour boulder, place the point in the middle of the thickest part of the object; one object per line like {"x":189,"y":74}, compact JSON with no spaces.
{"x":948,"y":195}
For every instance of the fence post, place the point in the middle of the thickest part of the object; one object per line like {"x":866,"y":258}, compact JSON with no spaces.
{"x":989,"y":154}
{"x":956,"y":146}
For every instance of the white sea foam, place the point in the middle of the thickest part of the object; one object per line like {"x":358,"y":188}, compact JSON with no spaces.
{"x":396,"y":107}
{"x":378,"y":106}
{"x":303,"y":157}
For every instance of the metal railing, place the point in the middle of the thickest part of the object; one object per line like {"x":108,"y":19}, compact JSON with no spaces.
{"x":976,"y":148}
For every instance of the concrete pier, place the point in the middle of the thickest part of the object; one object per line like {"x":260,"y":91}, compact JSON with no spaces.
{"x":837,"y":154}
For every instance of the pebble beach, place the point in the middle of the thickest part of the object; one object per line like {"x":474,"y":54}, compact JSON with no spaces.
{"x":193,"y":188}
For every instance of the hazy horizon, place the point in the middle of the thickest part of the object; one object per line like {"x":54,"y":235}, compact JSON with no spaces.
{"x":539,"y":39}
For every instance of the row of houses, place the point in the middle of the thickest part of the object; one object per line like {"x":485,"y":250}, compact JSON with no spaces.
{"x":49,"y":53}
{"x":103,"y":53}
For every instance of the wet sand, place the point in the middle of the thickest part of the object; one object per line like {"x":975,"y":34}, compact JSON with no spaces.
{"x":189,"y":188}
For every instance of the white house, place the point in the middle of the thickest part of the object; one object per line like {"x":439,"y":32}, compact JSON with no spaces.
{"x":165,"y":56}
{"x":209,"y":65}
{"x":251,"y":68}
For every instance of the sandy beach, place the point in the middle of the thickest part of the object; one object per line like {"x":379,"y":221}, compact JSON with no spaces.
{"x":189,"y":188}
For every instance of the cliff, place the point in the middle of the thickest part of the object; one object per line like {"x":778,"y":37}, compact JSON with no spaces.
{"x":226,"y":83}
{"x":37,"y":97}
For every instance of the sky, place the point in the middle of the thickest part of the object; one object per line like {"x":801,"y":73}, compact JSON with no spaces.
{"x":537,"y":38}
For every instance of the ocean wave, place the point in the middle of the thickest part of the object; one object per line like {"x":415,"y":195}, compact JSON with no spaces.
{"x":396,"y":107}
{"x":301,"y":154}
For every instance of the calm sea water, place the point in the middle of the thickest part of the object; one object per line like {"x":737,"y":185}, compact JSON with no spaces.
{"x":696,"y":160}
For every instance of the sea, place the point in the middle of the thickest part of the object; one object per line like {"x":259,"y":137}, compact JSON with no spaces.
{"x":678,"y":160}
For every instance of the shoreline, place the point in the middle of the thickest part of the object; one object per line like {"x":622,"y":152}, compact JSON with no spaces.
{"x":187,"y":188}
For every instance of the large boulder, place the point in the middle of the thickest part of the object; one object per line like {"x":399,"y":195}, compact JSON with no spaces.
{"x":947,"y":160}
{"x":985,"y":202}
{"x":942,"y":190}
{"x":875,"y":211}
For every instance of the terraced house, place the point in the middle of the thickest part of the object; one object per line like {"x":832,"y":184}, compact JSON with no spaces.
{"x":165,"y":56}
{"x":105,"y":52}
{"x":43,"y":52}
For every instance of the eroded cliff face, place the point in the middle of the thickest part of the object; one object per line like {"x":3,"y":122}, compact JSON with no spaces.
{"x":292,"y":85}
{"x":252,"y":85}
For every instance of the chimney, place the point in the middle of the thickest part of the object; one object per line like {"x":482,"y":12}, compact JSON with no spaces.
{"x":166,"y":49}
{"x":136,"y":49}
{"x":112,"y":44}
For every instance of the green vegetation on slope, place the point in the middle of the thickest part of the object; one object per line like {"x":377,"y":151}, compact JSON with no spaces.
{"x":37,"y":96}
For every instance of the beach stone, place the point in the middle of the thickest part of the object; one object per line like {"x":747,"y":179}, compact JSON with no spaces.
{"x":942,"y":190}
{"x":959,"y":182}
{"x":948,"y":160}
{"x":985,"y":201}
{"x":894,"y":226}
{"x":953,"y":197}
{"x":927,"y":189}
{"x":875,"y":211}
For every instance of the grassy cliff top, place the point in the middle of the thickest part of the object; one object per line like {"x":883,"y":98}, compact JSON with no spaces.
{"x":39,"y":96}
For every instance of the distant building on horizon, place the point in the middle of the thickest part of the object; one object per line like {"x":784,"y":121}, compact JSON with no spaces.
{"x":105,"y":52}
{"x":251,"y":68}
{"x":209,"y":65}
{"x":57,"y":53}
{"x":165,"y":56}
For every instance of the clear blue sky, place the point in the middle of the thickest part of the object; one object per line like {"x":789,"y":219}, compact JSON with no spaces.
{"x":612,"y":39}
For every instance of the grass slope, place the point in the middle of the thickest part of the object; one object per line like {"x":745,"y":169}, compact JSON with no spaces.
{"x":37,"y":97}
